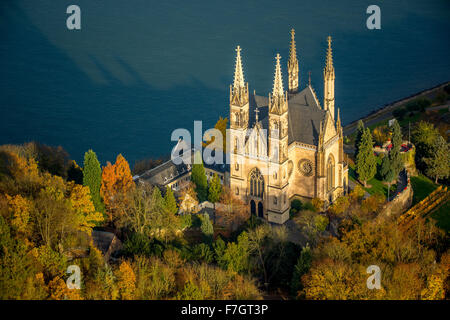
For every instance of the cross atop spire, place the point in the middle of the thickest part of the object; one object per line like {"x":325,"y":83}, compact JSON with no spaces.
{"x":256,"y":114}
{"x":329,"y":62}
{"x":278,"y":81}
{"x":238,"y":72}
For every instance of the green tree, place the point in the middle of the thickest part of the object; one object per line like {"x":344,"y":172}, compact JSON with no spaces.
{"x":359,"y":133}
{"x":198,"y":177}
{"x":387,"y":172}
{"x":438,"y":165}
{"x":215,"y":189}
{"x":92,"y":178}
{"x":214,"y":192}
{"x":301,"y":268}
{"x":366,"y":162}
{"x":170,"y":202}
{"x":206,"y":226}
{"x":395,"y":158}
{"x":423,"y":136}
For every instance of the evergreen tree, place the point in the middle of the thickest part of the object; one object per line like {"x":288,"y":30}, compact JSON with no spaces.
{"x":215,"y":189}
{"x":92,"y":178}
{"x":438,"y":165}
{"x":395,"y":157}
{"x":387,"y":172}
{"x":214,"y":192}
{"x":301,"y":268}
{"x":366,"y":162}
{"x":198,"y":177}
{"x":170,"y":202}
{"x":206,"y":226}
{"x":359,"y":133}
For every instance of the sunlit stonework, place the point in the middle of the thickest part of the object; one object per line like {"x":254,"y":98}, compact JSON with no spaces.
{"x":286,"y":145}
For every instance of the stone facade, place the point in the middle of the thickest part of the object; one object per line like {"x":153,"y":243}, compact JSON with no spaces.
{"x":285,"y":145}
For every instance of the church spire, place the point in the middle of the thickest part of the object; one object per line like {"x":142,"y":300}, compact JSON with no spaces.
{"x":278,"y":81}
{"x":278,"y":99}
{"x":329,"y":62}
{"x":328,"y":78}
{"x":238,"y":72}
{"x":239,"y":89}
{"x":293,"y":66}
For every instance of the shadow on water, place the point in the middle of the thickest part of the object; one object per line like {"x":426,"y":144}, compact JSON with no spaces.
{"x":60,"y":105}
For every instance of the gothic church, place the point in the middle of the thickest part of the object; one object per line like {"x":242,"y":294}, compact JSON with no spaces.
{"x":286,"y":145}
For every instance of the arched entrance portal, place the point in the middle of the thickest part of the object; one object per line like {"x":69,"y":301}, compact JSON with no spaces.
{"x":260,"y":210}
{"x":253,"y":207}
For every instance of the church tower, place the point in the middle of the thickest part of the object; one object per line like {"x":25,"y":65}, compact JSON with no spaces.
{"x":278,"y":118}
{"x":239,"y":105}
{"x":239,"y":122}
{"x":294,"y":80}
{"x":278,"y":201}
{"x":328,"y":78}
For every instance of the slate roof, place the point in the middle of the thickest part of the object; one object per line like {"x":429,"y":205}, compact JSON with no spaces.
{"x":305,"y":115}
{"x":169,"y":171}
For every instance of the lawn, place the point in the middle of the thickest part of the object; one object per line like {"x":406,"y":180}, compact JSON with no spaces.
{"x":442,"y":217}
{"x":422,"y":187}
{"x":376,"y":186}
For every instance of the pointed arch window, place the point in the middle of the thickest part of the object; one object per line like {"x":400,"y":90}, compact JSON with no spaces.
{"x":256,"y":181}
{"x":330,"y":173}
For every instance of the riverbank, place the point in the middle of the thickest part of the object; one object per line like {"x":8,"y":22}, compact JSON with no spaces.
{"x":386,"y":111}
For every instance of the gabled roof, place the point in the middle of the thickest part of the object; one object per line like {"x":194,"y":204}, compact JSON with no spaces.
{"x":305,"y":115}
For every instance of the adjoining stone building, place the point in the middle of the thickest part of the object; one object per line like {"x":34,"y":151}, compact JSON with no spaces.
{"x":285,"y":145}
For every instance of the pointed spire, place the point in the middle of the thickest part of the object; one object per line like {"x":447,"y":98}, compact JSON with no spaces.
{"x":293,"y":77}
{"x":329,"y":61}
{"x":238,"y":72}
{"x":293,"y":50}
{"x":309,"y":78}
{"x":278,"y":81}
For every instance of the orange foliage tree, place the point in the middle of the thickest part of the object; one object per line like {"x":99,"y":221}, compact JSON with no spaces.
{"x":126,"y":281}
{"x":117,"y":181}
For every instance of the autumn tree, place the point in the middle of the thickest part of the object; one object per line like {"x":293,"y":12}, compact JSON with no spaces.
{"x":231,"y":211}
{"x":220,"y":125}
{"x":84,"y":208}
{"x":116,"y":183}
{"x":126,"y":281}
{"x":339,"y":206}
{"x":92,"y":178}
{"x":366,"y":162}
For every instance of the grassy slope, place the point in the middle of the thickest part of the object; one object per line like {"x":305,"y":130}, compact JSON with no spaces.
{"x":422,"y":187}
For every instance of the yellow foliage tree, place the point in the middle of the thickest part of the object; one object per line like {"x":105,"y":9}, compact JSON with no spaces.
{"x":20,"y":208}
{"x":59,"y":291}
{"x":84,"y":208}
{"x":126,"y":281}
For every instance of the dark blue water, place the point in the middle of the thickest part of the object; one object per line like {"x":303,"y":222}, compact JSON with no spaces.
{"x":139,"y":69}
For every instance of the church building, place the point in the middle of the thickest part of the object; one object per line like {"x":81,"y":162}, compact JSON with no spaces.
{"x":285,"y":145}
